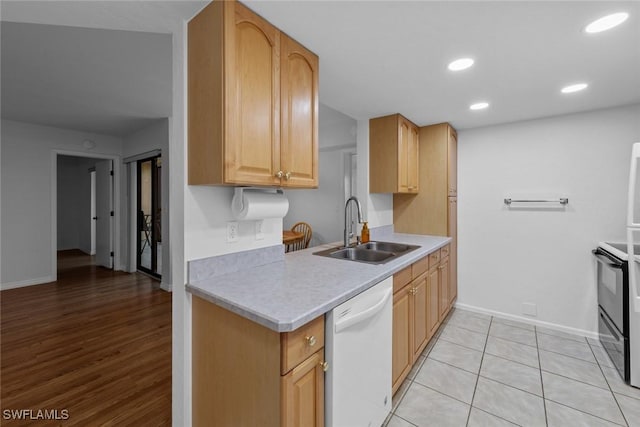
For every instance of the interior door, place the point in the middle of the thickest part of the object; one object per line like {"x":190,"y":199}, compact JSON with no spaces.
{"x":104,"y":209}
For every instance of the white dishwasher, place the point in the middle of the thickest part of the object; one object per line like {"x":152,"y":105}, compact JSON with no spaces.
{"x":358,"y":349}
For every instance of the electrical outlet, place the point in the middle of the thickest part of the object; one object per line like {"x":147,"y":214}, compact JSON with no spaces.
{"x":529,"y":309}
{"x":259,"y":230}
{"x":232,"y":231}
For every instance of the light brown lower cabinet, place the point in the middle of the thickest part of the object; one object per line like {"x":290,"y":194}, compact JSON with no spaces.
{"x":420,"y":294}
{"x":443,"y":288}
{"x":303,"y":393}
{"x":245,"y":374}
{"x":402,"y":356}
{"x":433,"y":314}
{"x":420,"y":304}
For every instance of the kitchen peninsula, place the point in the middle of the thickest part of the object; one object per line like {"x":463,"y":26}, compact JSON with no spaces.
{"x":258,"y":333}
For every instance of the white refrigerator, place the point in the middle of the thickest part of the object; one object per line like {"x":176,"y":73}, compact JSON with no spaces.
{"x":633,"y":239}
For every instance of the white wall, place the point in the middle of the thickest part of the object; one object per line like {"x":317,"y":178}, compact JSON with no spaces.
{"x":26,"y":195}
{"x":74,"y":203}
{"x":378,"y":208}
{"x":323,"y":208}
{"x":508,"y":257}
{"x":154,"y":137}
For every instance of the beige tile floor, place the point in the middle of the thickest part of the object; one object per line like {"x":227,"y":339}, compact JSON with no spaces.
{"x":485,"y":371}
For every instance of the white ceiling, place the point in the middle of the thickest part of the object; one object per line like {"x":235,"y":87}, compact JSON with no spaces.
{"x":103,"y":67}
{"x":376,"y":57}
{"x":383,"y":57}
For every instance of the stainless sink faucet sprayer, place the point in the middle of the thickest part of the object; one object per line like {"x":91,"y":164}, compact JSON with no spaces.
{"x":347,"y":235}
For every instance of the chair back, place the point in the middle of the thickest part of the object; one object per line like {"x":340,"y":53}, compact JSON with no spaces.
{"x":305,"y":229}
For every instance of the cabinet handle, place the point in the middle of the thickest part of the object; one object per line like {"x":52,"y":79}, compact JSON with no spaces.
{"x":412,"y":188}
{"x":311,"y":340}
{"x":325,"y":366}
{"x":413,"y":291}
{"x":279,"y":174}
{"x":287,"y":176}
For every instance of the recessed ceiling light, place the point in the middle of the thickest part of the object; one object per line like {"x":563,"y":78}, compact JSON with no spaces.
{"x":606,"y":22}
{"x":574,"y":88}
{"x":460,"y":64}
{"x":479,"y":106}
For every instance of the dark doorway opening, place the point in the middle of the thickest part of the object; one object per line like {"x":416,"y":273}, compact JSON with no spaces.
{"x":149,"y":242}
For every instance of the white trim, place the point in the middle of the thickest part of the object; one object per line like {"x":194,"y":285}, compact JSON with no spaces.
{"x":549,"y":325}
{"x":117,"y":265}
{"x":166,"y":286}
{"x":28,"y":282}
{"x":142,"y":156}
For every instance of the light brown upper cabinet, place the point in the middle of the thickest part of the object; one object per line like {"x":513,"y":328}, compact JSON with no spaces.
{"x":253,"y":102}
{"x":393,"y":155}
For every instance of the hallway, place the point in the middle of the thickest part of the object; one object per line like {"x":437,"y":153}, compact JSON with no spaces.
{"x":96,"y":343}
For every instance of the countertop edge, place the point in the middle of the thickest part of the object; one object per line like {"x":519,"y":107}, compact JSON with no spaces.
{"x":291,"y":324}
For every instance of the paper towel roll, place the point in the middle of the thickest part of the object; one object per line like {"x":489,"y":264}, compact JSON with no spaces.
{"x":258,"y":203}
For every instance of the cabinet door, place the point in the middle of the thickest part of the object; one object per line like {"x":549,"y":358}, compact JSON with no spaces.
{"x":252,"y":70}
{"x":404,"y":131}
{"x":433,"y":313}
{"x":402,"y":356}
{"x":420,"y":305}
{"x":303,"y":394}
{"x":413,"y":160}
{"x":452,"y":162}
{"x":443,"y":291}
{"x":299,"y":108}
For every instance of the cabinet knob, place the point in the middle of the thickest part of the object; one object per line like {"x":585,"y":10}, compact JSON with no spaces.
{"x":311,"y":340}
{"x":287,"y":176}
{"x":413,"y":291}
{"x":325,"y":366}
{"x":279,"y":174}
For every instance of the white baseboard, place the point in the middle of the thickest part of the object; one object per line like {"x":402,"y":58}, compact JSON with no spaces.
{"x":555,"y":326}
{"x":166,"y":286}
{"x":24,"y":283}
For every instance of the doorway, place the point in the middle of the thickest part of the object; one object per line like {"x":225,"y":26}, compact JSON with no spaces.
{"x":149,"y":216}
{"x":83,"y":209}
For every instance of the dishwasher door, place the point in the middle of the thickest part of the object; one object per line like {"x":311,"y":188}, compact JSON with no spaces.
{"x":358,"y":349}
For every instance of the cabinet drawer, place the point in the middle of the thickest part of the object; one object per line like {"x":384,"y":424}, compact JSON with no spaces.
{"x":444,"y":252}
{"x":434,"y":259}
{"x":419,"y":267}
{"x":299,"y":344}
{"x":401,"y":278}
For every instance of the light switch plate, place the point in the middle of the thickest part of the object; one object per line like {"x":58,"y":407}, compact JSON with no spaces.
{"x":259,"y":229}
{"x":232,"y":231}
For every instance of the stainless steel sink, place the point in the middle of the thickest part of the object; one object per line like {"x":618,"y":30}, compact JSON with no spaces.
{"x":371,"y":252}
{"x":361,"y":254}
{"x":385,"y":246}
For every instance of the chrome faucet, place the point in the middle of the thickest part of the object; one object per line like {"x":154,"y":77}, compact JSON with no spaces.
{"x":347,"y":235}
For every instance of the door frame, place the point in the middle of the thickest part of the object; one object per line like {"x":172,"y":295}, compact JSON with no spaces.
{"x":115,"y":230}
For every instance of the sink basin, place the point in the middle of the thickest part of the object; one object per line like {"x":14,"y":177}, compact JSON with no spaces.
{"x":385,"y":246}
{"x":371,"y":252}
{"x":361,"y":254}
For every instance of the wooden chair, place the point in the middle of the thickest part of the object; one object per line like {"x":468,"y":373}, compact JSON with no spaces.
{"x":305,"y":229}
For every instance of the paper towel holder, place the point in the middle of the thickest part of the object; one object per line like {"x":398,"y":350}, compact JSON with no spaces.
{"x":237,"y":203}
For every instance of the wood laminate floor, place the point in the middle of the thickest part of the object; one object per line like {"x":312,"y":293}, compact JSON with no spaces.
{"x":96,"y":344}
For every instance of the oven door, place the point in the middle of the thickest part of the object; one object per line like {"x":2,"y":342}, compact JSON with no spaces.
{"x":615,"y":344}
{"x":611,"y":283}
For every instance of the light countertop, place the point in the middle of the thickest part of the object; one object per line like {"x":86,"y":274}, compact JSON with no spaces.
{"x":285,"y":295}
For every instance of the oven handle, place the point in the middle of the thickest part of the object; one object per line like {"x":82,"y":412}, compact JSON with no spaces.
{"x":606,"y":323}
{"x":604,"y":258}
